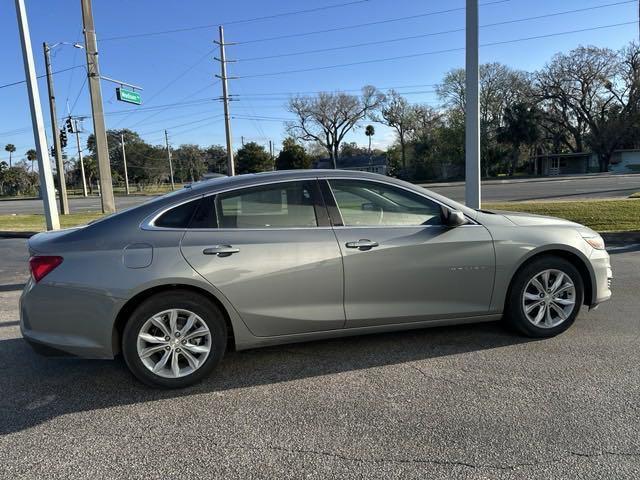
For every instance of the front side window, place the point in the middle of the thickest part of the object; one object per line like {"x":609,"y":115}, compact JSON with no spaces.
{"x":363,"y":203}
{"x":282,"y":205}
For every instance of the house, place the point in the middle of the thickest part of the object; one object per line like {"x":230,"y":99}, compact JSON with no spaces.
{"x":625,"y":161}
{"x":363,"y":163}
{"x":564,"y":163}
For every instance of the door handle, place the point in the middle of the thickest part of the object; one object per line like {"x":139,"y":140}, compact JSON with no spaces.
{"x":221,"y":250}
{"x":362,"y":244}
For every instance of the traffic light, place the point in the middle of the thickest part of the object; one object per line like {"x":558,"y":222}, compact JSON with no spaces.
{"x":53,"y":152}
{"x":69,"y":125}
{"x":63,"y":137}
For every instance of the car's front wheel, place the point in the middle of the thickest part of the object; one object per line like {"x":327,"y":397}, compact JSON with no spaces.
{"x":545,"y":297}
{"x":174,"y":339}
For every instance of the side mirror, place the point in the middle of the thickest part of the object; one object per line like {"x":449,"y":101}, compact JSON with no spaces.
{"x":453,"y":218}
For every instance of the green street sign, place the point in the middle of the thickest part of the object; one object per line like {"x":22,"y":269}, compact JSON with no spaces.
{"x":128,"y":96}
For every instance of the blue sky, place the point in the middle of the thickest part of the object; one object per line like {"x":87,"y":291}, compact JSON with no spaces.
{"x":179,"y":67}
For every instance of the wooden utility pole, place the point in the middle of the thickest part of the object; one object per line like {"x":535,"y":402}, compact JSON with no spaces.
{"x":99,"y":129}
{"x":225,"y":99}
{"x":124,"y":163}
{"x":80,"y":159}
{"x":166,"y":140}
{"x":47,"y":190}
{"x":62,"y":186}
{"x":472,"y":109}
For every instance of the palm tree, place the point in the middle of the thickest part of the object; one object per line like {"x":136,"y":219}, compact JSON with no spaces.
{"x":369,"y":131}
{"x":32,"y":155}
{"x":10,"y":147}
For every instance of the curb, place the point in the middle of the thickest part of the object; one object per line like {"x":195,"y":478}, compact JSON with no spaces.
{"x":9,"y":234}
{"x":618,"y":238}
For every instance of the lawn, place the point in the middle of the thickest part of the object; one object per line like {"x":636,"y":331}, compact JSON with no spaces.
{"x":601,"y":215}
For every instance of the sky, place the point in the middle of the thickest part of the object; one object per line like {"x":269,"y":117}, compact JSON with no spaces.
{"x":176,"y":69}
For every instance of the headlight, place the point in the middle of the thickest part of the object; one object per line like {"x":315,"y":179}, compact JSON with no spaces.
{"x":594,"y":240}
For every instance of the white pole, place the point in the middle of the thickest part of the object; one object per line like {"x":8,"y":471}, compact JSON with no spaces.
{"x":47,"y":190}
{"x":472,"y":110}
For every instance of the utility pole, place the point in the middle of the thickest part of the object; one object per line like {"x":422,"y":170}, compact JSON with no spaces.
{"x":472,"y":109}
{"x":84,"y":181}
{"x":273,"y":166}
{"x":242,"y":140}
{"x":225,"y":99}
{"x":62,"y":187}
{"x":166,"y":140}
{"x":99,"y":131}
{"x":47,"y":189}
{"x":124,"y":162}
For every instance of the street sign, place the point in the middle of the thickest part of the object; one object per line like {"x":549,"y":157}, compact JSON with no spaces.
{"x":128,"y":96}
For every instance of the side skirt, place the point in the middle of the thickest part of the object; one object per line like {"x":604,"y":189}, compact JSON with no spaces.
{"x":257,"y":342}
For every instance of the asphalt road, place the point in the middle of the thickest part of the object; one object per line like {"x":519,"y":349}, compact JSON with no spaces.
{"x":468,"y":402}
{"x":570,"y":188}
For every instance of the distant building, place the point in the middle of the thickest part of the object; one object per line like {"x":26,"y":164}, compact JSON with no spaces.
{"x":622,"y":161}
{"x":363,"y":163}
{"x":625,"y":161}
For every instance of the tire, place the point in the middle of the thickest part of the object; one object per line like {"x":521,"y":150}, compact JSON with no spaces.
{"x":197,"y":352}
{"x":524,"y":294}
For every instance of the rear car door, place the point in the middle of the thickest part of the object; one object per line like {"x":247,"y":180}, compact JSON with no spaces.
{"x":271,"y":251}
{"x":400,"y":263}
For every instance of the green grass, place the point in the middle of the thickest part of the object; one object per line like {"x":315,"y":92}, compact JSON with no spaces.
{"x":600,"y":215}
{"x":35,"y":222}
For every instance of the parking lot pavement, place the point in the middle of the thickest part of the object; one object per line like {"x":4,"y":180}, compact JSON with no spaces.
{"x":465,"y":402}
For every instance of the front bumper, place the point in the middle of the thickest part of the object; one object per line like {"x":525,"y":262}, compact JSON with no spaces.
{"x":57,"y":319}
{"x":603,"y":276}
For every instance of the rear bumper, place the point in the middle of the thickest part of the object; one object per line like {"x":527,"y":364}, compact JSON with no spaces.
{"x":603,"y":277}
{"x":62,"y":320}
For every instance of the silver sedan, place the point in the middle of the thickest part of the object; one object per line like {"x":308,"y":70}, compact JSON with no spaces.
{"x":284,"y":257}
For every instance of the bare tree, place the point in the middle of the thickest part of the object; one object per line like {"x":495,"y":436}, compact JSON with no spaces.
{"x":328,"y":117}
{"x":398,"y":114}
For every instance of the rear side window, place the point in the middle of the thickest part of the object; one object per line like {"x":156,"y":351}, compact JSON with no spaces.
{"x":178,"y":217}
{"x":282,"y":205}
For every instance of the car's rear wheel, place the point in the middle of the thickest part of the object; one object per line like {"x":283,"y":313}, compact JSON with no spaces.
{"x":174,"y":339}
{"x":545,"y":297}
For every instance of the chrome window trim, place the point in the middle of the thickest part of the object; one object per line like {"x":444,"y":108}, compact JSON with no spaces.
{"x":148,"y":222}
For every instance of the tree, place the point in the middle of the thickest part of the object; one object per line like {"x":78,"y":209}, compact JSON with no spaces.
{"x":328,"y":117}
{"x":520,"y":128}
{"x":593,"y":93}
{"x":292,"y":156}
{"x":369,"y":131}
{"x":399,"y":115}
{"x":216,"y":159}
{"x":189,"y":163}
{"x":10,"y":147}
{"x":32,"y":156}
{"x":252,"y":158}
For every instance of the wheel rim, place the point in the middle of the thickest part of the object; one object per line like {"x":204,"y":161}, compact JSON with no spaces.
{"x":549,"y":298}
{"x":174,"y":343}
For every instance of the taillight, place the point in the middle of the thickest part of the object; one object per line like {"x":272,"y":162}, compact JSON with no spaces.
{"x":41,"y":265}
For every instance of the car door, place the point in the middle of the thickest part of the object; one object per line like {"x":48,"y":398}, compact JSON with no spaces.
{"x":400,"y":263}
{"x":271,"y":251}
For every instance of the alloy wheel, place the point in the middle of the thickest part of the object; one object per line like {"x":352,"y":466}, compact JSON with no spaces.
{"x":174,"y":343}
{"x":549,"y":298}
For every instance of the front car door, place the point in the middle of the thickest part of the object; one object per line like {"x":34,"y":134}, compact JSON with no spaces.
{"x":400,"y":263}
{"x":271,"y":251}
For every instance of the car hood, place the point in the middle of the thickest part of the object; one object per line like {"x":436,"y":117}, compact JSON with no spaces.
{"x":532,"y":220}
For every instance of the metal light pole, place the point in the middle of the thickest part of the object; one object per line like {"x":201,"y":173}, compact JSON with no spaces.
{"x":99,"y":130}
{"x":225,"y":100}
{"x":62,"y":187}
{"x":84,"y":180}
{"x":47,"y":189}
{"x":472,"y":110}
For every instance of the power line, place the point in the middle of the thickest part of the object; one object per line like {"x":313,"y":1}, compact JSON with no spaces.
{"x":431,"y":34}
{"x":367,"y":24}
{"x":235,"y":22}
{"x":40,"y":76}
{"x":434,"y":52}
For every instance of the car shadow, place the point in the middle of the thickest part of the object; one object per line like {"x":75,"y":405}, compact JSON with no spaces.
{"x":36,"y":389}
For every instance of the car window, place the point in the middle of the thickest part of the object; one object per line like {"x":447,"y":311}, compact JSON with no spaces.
{"x":178,"y":217}
{"x":282,"y":205}
{"x":363,"y":203}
